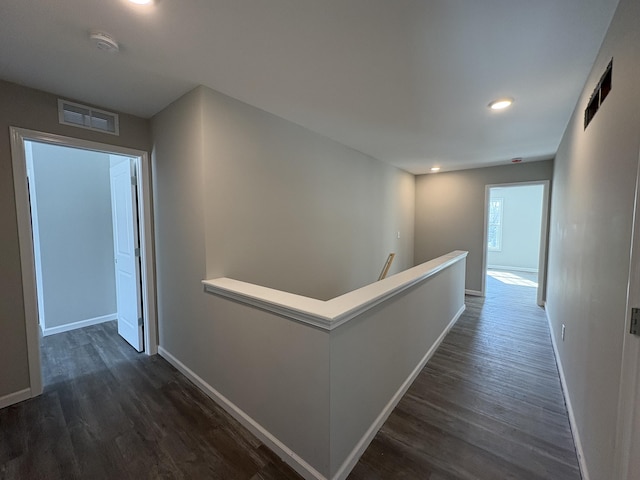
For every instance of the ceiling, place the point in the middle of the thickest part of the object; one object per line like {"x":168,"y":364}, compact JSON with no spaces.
{"x":405,"y":81}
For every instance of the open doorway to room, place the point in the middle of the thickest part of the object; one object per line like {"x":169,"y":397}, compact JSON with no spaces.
{"x":84,"y":226}
{"x":515,"y":240}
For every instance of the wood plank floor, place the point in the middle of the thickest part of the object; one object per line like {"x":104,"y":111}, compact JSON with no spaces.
{"x":108,"y":412}
{"x":488,"y":405}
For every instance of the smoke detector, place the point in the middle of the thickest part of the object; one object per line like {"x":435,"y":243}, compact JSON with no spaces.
{"x":104,"y":41}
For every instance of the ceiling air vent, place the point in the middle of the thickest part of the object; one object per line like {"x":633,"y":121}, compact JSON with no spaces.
{"x":598,"y":95}
{"x":82,"y":116}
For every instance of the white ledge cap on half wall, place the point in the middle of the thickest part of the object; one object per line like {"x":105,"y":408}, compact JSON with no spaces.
{"x":332,"y":313}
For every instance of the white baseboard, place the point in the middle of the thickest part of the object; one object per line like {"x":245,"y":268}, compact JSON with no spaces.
{"x":15,"y":397}
{"x":514,"y":269}
{"x":473,"y":293}
{"x":284,"y":452}
{"x":366,"y":439}
{"x":567,"y":399}
{"x":80,"y":324}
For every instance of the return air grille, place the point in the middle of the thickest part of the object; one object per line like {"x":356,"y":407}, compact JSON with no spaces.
{"x":82,"y":116}
{"x":599,"y":94}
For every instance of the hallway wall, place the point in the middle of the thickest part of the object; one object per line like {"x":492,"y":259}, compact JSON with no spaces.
{"x":36,"y":110}
{"x":591,"y":224}
{"x":450,"y":211}
{"x":244,"y":194}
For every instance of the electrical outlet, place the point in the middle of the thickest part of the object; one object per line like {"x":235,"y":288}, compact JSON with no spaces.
{"x":563,"y":329}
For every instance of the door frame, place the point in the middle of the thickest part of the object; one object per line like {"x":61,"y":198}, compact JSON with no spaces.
{"x":627,"y":461}
{"x":544,"y":235}
{"x":25,"y":239}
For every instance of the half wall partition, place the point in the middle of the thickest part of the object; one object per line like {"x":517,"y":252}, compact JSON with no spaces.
{"x":313,"y":379}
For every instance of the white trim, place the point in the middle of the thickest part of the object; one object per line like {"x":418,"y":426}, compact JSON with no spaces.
{"x":27,"y":262}
{"x":485,"y":242}
{"x":544,"y":236}
{"x":15,"y":397}
{"x":567,"y":400}
{"x":284,"y":452}
{"x":627,"y":446}
{"x":515,"y":269}
{"x":35,"y":225}
{"x":79,"y":324}
{"x":25,"y":238}
{"x":474,"y":293}
{"x":147,"y":259}
{"x":366,"y":439}
{"x":329,"y":314}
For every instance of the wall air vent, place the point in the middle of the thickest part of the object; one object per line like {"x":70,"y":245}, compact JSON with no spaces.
{"x":599,"y":94}
{"x":82,"y":116}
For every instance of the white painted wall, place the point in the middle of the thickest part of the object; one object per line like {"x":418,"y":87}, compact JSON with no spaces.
{"x":75,"y":235}
{"x":521,"y":223}
{"x":591,"y":220}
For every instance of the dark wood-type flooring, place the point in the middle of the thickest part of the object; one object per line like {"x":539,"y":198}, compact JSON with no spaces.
{"x":108,"y":412}
{"x":488,"y":405}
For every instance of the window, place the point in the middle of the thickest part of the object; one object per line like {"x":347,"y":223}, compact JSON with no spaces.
{"x":494,"y":230}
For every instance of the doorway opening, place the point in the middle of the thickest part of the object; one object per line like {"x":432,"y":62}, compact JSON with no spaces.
{"x":85,"y":240}
{"x":516,"y":238}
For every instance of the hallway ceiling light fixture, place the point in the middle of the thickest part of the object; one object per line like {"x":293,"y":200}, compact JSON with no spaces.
{"x":142,"y":2}
{"x":435,"y":169}
{"x":501,"y":103}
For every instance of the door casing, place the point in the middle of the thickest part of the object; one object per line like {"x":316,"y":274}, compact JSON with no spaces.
{"x":627,"y":461}
{"x":25,"y":238}
{"x":544,"y":235}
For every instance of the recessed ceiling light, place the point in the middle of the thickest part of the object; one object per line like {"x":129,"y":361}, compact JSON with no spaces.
{"x":501,"y":103}
{"x":435,"y":169}
{"x":141,"y":2}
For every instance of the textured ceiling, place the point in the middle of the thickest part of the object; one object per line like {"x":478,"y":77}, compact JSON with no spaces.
{"x":407,"y":82}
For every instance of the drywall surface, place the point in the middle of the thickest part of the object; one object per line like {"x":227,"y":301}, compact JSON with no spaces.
{"x":241,"y":193}
{"x":289,"y":209}
{"x":76,"y":233}
{"x":318,"y":392}
{"x":590,"y":240}
{"x":521,"y":224}
{"x":179,"y":230}
{"x":374,"y":354}
{"x":35,"y":110}
{"x":450,"y":211}
{"x":276,"y":370}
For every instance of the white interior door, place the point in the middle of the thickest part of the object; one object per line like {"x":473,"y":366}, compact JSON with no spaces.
{"x":126,"y":253}
{"x":627,"y":462}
